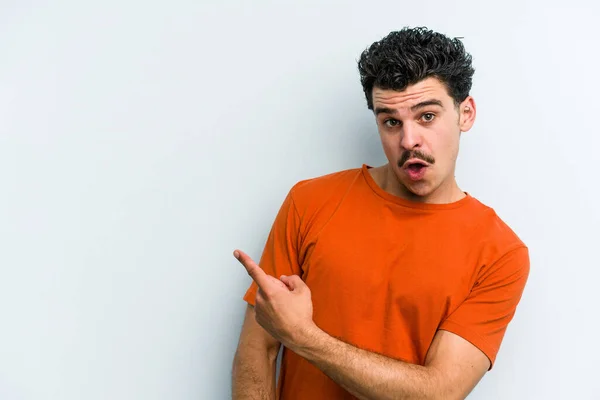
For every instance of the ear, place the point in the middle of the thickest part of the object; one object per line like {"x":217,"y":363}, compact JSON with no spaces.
{"x":467,"y":112}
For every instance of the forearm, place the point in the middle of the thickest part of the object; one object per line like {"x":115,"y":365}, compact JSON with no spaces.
{"x":253,"y":375}
{"x":369,"y":375}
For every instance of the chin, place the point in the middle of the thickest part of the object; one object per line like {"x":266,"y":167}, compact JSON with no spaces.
{"x":421,"y":191}
{"x":418,"y":190}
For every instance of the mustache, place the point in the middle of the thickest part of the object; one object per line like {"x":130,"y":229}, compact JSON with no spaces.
{"x":408,"y":154}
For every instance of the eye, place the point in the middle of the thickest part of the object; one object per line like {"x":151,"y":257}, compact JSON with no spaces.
{"x":390,"y":123}
{"x":428,"y":117}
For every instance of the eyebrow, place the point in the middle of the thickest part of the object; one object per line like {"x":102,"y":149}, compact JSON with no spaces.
{"x":423,"y":104}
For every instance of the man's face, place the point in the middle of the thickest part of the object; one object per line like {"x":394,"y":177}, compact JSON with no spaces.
{"x":420,"y":130}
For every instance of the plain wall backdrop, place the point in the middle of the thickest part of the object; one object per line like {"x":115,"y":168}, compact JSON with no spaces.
{"x":142,"y":142}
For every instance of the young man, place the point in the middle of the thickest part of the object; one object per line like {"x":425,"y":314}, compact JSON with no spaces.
{"x":387,"y":282}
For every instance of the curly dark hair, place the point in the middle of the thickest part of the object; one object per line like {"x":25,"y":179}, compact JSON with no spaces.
{"x":405,"y":57}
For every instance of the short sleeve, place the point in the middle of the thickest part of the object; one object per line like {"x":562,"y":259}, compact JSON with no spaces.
{"x":280,"y":254}
{"x":483,"y":317}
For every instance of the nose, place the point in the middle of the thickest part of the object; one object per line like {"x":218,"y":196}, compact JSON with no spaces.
{"x":410,"y":137}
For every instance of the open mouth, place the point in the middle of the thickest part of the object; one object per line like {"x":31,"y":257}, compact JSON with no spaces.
{"x":416,"y":169}
{"x":415,"y":166}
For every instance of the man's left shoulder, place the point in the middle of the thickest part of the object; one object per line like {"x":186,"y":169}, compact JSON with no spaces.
{"x":495,"y":231}
{"x":503,"y":255}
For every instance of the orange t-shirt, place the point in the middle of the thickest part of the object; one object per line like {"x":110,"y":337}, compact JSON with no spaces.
{"x":386,"y":273}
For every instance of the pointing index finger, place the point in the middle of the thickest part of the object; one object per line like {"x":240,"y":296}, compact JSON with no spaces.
{"x":256,"y":273}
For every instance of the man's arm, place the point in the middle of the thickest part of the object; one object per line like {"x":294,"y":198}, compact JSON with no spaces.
{"x":283,"y":307}
{"x":253,"y":375}
{"x":452,"y":369}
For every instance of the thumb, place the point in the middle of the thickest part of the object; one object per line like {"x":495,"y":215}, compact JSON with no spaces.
{"x":293,"y":282}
